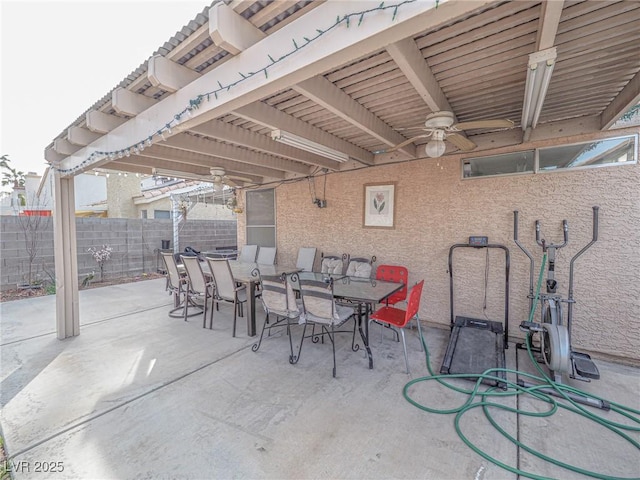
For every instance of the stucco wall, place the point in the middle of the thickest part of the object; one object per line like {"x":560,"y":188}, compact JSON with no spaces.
{"x":436,"y":209}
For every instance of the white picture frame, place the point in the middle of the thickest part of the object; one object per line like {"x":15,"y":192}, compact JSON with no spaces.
{"x":379,"y":205}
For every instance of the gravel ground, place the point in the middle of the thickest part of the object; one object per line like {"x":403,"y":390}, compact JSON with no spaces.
{"x":16,"y":294}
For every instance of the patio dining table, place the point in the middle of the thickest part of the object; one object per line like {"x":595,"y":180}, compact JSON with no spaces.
{"x":363,"y":293}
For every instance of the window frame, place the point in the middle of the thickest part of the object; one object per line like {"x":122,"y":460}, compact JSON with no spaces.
{"x":536,"y":159}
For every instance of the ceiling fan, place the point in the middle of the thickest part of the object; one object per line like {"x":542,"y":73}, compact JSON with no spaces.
{"x":219,"y":178}
{"x":440,"y":126}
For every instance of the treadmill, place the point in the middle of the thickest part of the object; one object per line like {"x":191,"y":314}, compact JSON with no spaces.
{"x":477,"y":344}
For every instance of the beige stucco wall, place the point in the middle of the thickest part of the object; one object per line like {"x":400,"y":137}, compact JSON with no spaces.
{"x":436,"y":209}
{"x":200,"y":211}
{"x":120,"y":193}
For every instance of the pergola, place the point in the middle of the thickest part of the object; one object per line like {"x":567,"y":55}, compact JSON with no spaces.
{"x":353,"y":77}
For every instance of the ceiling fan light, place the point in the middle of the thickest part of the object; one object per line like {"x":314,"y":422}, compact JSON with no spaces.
{"x":217,"y":187}
{"x":435,"y":148}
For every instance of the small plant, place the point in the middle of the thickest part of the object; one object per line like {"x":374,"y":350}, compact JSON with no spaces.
{"x":101,"y":256}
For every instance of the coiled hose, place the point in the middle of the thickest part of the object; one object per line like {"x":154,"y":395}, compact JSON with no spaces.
{"x":482,"y":399}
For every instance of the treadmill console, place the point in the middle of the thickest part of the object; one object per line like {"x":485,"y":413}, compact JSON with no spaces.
{"x":478,"y":241}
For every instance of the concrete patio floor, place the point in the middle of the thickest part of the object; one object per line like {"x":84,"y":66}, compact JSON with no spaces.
{"x":141,"y":395}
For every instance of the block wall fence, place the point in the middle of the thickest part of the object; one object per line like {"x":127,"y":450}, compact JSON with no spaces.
{"x":135,"y":244}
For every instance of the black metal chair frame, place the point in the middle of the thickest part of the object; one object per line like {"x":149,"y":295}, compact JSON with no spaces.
{"x":277,"y":284}
{"x":324,"y":290}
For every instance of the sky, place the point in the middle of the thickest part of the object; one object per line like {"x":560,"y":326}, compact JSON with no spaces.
{"x":59,"y":58}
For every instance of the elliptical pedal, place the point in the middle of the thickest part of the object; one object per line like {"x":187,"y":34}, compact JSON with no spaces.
{"x":584,"y":366}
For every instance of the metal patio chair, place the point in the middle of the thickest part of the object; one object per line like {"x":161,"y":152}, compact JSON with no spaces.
{"x":398,"y":319}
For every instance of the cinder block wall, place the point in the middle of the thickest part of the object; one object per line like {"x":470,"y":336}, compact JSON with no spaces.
{"x":134,"y":242}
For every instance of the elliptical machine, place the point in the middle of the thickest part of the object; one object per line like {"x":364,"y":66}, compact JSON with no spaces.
{"x":554,"y":339}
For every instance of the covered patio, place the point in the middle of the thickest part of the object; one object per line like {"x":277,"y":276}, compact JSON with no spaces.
{"x":534,"y":84}
{"x":140,"y":394}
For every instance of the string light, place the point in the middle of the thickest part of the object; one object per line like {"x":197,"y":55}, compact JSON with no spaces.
{"x":196,"y":102}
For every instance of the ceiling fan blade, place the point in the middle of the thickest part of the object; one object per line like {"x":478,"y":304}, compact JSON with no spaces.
{"x":500,"y":123}
{"x":407,"y":142}
{"x":461,"y":142}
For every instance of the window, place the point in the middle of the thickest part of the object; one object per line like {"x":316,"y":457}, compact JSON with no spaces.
{"x":261,"y":218}
{"x":509,"y":163}
{"x":599,"y":153}
{"x":162,"y":214}
{"x":616,"y":151}
{"x":143,"y":214}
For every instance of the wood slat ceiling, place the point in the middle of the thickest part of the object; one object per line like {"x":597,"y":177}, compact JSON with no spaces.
{"x":479,"y":63}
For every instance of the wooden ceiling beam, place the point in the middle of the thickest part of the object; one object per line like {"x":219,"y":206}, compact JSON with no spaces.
{"x":101,"y":122}
{"x":548,"y":23}
{"x":627,"y":98}
{"x":273,"y":118}
{"x":325,"y":93}
{"x":81,"y":136}
{"x":168,"y":75}
{"x":208,"y":161}
{"x":126,"y":102}
{"x":231,"y":152}
{"x":242,"y":136}
{"x":413,"y":65}
{"x":231,"y":31}
{"x":64,"y":147}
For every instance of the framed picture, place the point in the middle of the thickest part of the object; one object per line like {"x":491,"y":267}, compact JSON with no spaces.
{"x":379,"y":205}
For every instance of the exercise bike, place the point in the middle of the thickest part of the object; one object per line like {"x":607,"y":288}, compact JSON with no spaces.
{"x":553,"y":335}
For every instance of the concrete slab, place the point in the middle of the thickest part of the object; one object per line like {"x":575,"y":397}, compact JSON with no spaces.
{"x":140,"y":394}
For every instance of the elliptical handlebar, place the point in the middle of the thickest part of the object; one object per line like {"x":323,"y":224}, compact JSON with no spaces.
{"x":594,"y":239}
{"x":543,"y":243}
{"x":526,"y":252}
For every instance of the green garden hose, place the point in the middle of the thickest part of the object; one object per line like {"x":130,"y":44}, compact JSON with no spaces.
{"x":477,"y":398}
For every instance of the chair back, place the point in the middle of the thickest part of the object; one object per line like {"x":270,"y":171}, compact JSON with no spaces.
{"x":222,"y":278}
{"x":398,"y":274}
{"x":278,"y":296}
{"x":266,"y":256}
{"x":413,"y":302}
{"x":318,"y":303}
{"x":172,"y":270}
{"x":248,"y":253}
{"x":360,"y":267}
{"x":334,"y":263}
{"x":306,"y":258}
{"x":197,"y":281}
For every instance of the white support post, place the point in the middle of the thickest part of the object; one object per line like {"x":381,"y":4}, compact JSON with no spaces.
{"x":176,"y":216}
{"x":66,"y":258}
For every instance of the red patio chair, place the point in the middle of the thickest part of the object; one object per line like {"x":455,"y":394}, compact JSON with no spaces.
{"x":398,"y":274}
{"x":398,"y":319}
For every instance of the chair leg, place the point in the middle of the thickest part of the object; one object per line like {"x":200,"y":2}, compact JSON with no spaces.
{"x":333,"y":347}
{"x":404,"y":346}
{"x":211,"y":314}
{"x":235,"y":315}
{"x":186,"y":304}
{"x":204,"y":312}
{"x":356,"y":322}
{"x":419,"y":332}
{"x":294,"y":358}
{"x":256,"y":346}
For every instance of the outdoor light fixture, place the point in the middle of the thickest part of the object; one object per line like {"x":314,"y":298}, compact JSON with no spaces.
{"x":307,"y":145}
{"x":436,"y":147}
{"x":539,"y":72}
